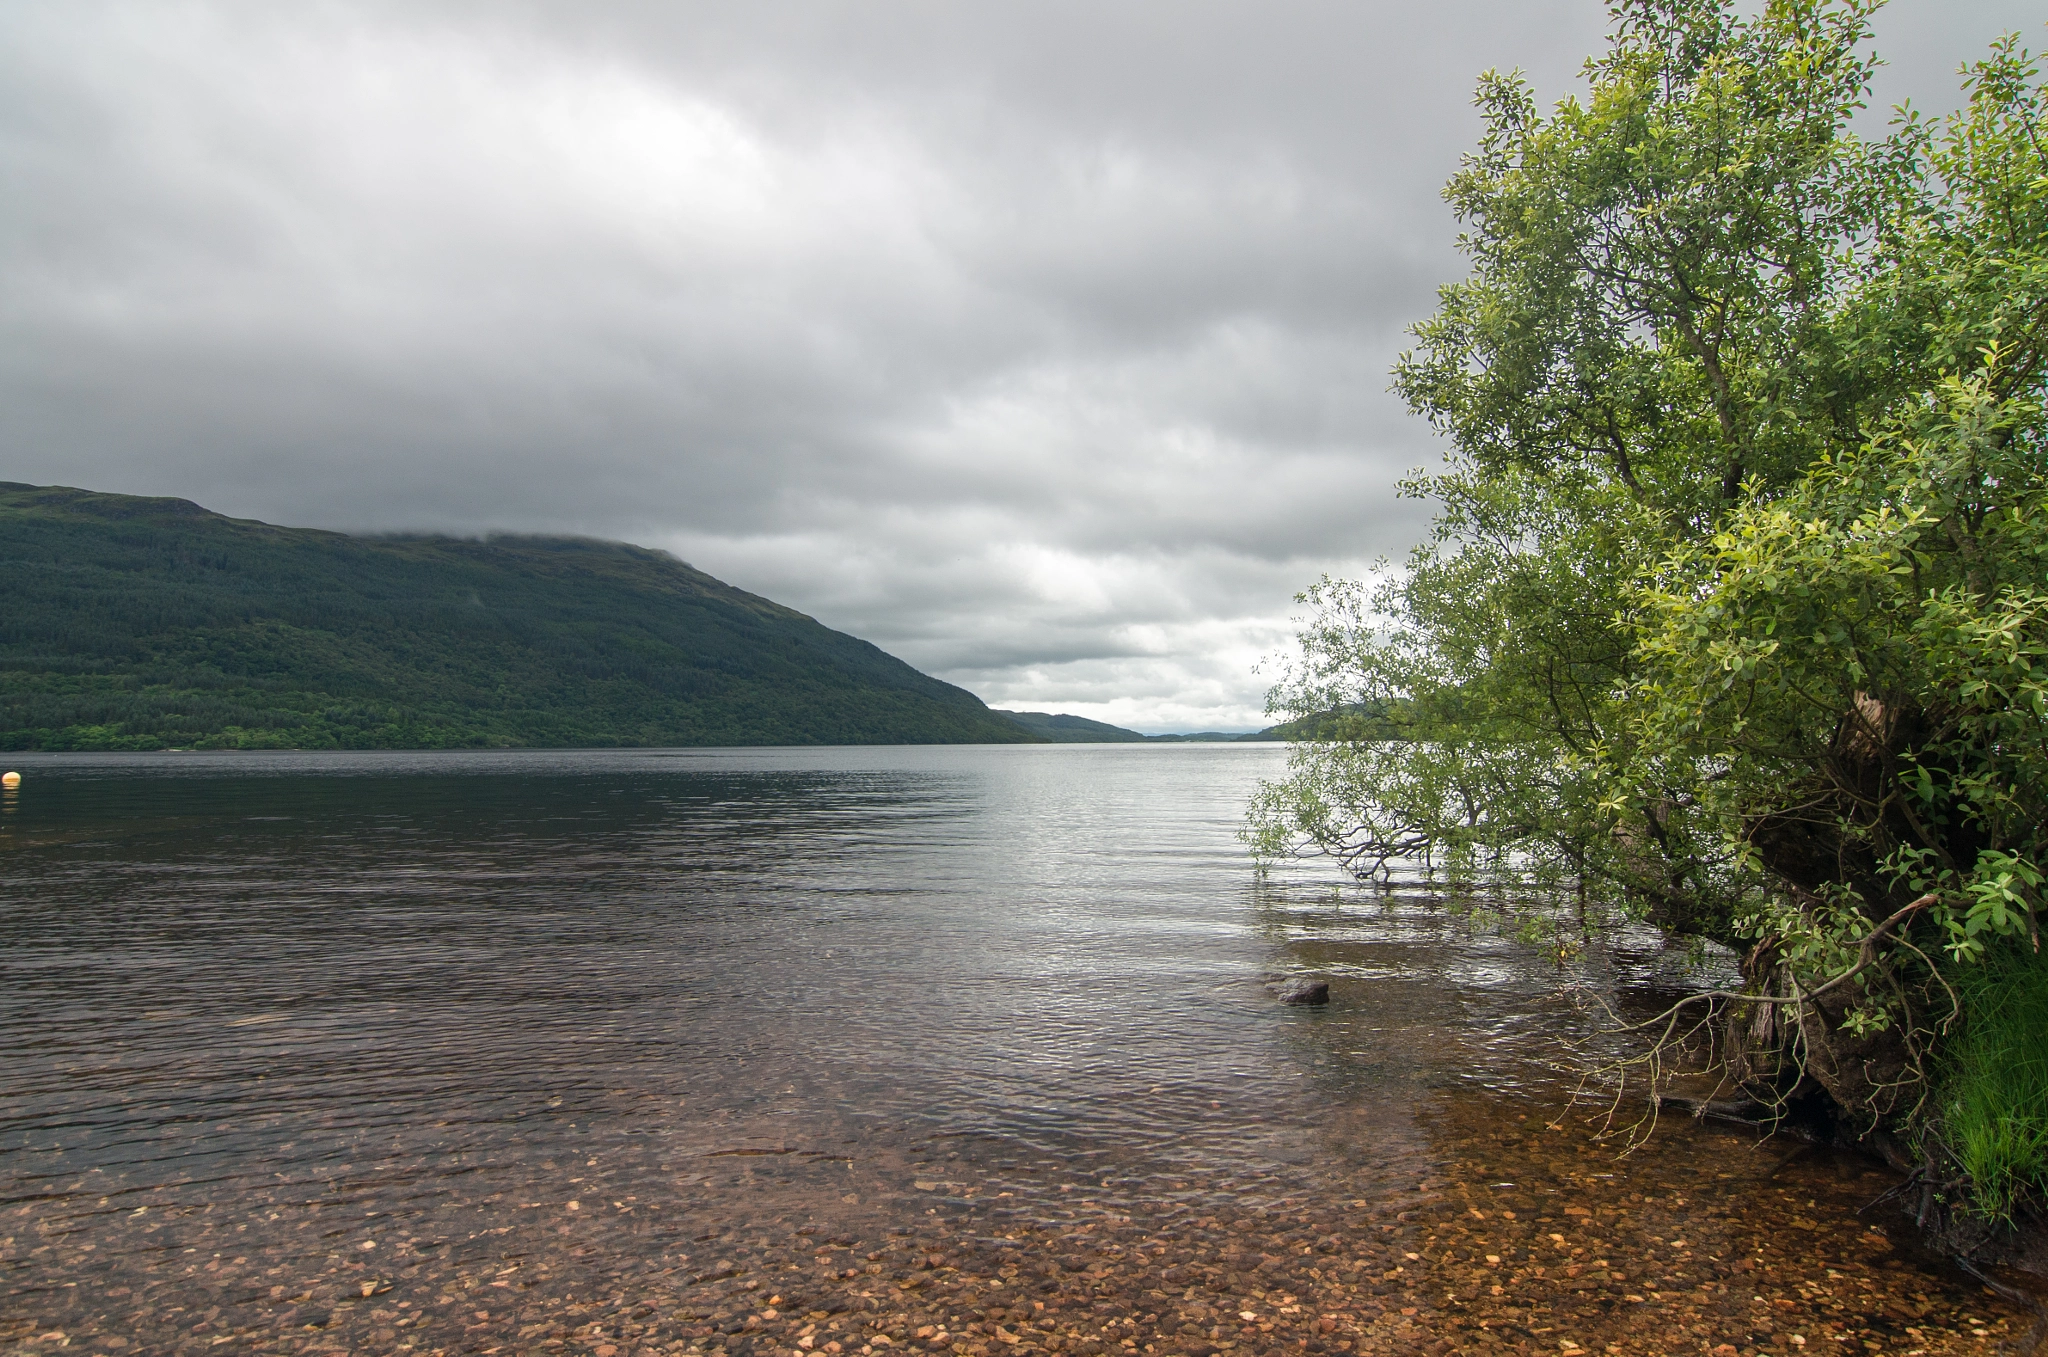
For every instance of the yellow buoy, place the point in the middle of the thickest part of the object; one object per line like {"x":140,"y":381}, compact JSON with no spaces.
{"x":10,"y":779}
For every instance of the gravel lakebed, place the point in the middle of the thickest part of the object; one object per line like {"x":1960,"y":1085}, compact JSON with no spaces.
{"x":1497,"y":1231}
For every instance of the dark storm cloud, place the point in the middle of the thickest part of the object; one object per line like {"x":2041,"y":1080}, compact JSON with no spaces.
{"x":1043,"y":344}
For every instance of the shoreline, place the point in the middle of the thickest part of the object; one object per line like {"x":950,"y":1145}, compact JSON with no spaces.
{"x":1659,"y":1253}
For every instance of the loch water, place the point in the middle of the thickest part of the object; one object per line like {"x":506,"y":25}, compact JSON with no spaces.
{"x":774,"y":1052}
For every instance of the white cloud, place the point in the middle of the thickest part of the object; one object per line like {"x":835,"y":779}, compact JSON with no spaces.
{"x":1043,"y":345}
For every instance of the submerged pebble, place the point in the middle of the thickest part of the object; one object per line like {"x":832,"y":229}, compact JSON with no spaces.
{"x":1508,"y":1237}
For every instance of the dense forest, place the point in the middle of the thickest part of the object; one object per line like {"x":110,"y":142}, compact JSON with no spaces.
{"x":136,"y":623}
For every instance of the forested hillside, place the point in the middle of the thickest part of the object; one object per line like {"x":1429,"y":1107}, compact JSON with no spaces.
{"x":1063,"y":729}
{"x":135,"y":623}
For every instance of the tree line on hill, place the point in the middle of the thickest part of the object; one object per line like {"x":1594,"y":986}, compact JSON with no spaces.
{"x":135,"y":623}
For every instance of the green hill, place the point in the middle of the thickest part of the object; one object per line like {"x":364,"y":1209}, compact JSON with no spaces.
{"x":148,"y":623}
{"x":1352,"y":722}
{"x":1292,"y":730}
{"x":1064,"y":729}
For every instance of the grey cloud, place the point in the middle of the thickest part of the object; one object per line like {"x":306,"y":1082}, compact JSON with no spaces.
{"x":1045,"y":345}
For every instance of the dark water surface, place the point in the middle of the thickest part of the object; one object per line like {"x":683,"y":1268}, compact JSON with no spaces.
{"x":787,"y":1051}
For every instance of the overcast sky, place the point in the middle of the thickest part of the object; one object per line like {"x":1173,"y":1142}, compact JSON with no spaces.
{"x":1043,"y":344}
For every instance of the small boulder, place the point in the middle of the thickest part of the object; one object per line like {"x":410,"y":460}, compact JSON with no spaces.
{"x":1306,"y":992}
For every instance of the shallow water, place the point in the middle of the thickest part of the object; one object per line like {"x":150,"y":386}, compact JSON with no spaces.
{"x":575,"y":1051}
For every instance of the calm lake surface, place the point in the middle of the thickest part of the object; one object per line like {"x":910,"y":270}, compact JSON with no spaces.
{"x":765,"y":1050}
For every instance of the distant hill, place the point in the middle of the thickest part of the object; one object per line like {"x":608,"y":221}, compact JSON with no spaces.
{"x":1353,"y":722}
{"x":1064,"y":729}
{"x":135,"y":623}
{"x":1070,"y":729}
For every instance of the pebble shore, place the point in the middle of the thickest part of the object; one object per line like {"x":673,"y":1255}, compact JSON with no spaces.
{"x":1517,"y":1238}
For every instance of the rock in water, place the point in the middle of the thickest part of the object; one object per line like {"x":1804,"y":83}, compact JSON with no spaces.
{"x":1306,"y":992}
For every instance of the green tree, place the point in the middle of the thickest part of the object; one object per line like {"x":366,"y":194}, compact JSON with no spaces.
{"x":1727,"y":621}
{"x":1645,"y":328}
{"x":1861,"y":661}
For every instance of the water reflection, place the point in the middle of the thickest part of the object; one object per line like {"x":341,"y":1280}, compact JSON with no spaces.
{"x":462,"y":1051}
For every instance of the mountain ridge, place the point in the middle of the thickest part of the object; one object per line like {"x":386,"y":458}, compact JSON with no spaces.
{"x":152,"y":622}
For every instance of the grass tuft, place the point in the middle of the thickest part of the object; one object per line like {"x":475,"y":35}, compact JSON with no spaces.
{"x":1994,"y":1085}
